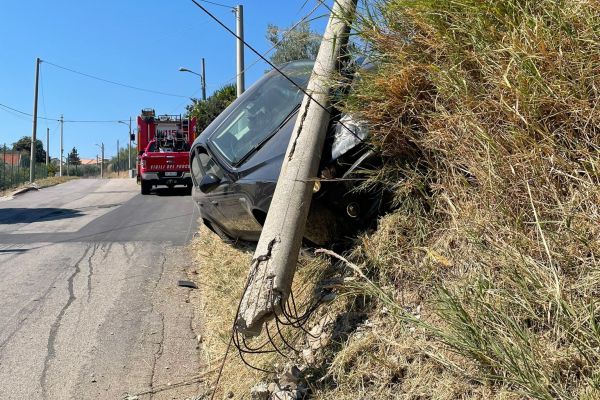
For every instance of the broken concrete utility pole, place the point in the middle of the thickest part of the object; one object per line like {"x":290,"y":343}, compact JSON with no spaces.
{"x":274,"y":262}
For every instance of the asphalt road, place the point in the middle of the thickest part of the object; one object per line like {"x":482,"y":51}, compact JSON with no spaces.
{"x":89,"y":302}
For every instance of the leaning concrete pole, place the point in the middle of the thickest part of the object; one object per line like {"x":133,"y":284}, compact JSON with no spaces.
{"x":274,"y":262}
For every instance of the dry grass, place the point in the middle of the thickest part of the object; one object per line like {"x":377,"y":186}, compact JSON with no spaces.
{"x":484,"y":283}
{"x":221,"y":273}
{"x":488,"y":112}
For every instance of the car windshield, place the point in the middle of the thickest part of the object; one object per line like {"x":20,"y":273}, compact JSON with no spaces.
{"x":264,"y":108}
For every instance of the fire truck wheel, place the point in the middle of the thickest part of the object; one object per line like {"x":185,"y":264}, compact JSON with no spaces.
{"x":146,"y":186}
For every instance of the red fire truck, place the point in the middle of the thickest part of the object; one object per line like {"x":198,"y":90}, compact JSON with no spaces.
{"x":163,"y":150}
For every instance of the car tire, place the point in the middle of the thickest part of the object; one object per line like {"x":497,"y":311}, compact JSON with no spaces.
{"x":190,"y":187}
{"x":220,"y":233}
{"x":145,"y":187}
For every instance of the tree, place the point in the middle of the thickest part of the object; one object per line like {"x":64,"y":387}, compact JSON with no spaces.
{"x":206,"y":111}
{"x":293,"y":44}
{"x":73,"y":157}
{"x":24,"y":145}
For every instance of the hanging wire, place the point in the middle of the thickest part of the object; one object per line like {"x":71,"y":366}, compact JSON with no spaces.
{"x":249,"y":46}
{"x":113,"y":82}
{"x":7,"y":108}
{"x":43,"y":99}
{"x":283,"y":37}
{"x":218,"y":4}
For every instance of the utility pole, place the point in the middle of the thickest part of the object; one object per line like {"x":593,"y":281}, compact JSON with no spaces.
{"x":101,"y":147}
{"x":203,"y":81}
{"x":47,"y":147}
{"x":129,"y":150}
{"x":274,"y":261}
{"x":239,"y":17}
{"x":61,"y":146}
{"x":118,"y":161}
{"x":34,"y":130}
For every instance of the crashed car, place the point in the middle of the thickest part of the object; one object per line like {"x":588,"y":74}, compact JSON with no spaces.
{"x":236,"y":161}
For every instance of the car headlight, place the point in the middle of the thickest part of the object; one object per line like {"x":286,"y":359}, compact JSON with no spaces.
{"x":317,"y":186}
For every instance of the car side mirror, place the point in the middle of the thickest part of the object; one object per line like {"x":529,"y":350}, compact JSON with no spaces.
{"x":209,"y":182}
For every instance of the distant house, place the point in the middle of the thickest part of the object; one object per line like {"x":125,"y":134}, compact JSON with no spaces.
{"x":89,"y":161}
{"x":11,"y":157}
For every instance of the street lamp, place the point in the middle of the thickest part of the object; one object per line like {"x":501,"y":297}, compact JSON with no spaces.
{"x":129,"y":148}
{"x":101,"y":160}
{"x":202,"y":78}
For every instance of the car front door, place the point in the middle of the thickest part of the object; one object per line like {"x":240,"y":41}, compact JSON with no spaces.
{"x":225,"y":205}
{"x":210,"y":203}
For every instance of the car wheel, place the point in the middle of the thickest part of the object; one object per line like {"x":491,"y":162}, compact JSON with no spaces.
{"x":220,"y":233}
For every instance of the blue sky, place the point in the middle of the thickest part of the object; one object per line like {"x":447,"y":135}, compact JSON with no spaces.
{"x":138,"y":43}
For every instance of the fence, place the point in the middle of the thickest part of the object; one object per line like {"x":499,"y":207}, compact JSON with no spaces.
{"x":14,"y":169}
{"x":12,"y":175}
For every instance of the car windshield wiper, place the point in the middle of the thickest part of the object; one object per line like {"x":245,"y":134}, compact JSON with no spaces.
{"x":260,"y":144}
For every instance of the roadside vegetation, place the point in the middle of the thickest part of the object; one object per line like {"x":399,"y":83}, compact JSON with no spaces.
{"x":484,"y":281}
{"x":206,"y":111}
{"x":40,"y":183}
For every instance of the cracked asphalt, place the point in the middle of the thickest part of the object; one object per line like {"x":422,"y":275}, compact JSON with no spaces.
{"x":89,"y":303}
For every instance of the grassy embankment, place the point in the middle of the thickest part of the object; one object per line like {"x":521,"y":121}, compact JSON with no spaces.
{"x":485,"y":281}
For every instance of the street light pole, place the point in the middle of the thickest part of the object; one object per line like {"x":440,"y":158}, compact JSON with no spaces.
{"x":203,"y":81}
{"x":47,"y":147}
{"x":129,"y":149}
{"x":34,"y":130}
{"x":61,"y":146}
{"x":202,"y":77}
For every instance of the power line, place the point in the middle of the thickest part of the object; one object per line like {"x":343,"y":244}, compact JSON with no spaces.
{"x":274,"y":66}
{"x":14,"y":110}
{"x":113,"y":82}
{"x":283,"y":37}
{"x":43,"y":99}
{"x":217,"y":4}
{"x":258,"y":54}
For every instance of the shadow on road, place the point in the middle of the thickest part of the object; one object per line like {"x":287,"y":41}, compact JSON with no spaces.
{"x":176,"y":191}
{"x":29,"y":215}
